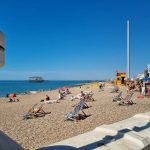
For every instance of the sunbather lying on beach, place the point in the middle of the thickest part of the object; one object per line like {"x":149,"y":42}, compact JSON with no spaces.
{"x":67,"y":91}
{"x":47,"y":100}
{"x":13,"y":100}
{"x":86,"y":95}
{"x":12,"y":97}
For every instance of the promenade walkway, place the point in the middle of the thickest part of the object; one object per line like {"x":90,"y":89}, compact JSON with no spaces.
{"x":129,"y":134}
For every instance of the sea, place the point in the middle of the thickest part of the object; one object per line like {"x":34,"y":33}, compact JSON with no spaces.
{"x":19,"y":87}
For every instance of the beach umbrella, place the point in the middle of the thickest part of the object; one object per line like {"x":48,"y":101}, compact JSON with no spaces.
{"x":13,"y":95}
{"x":61,"y":89}
{"x":146,"y":79}
{"x":66,"y":87}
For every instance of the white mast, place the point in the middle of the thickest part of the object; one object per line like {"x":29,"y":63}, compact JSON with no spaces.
{"x":128,"y":49}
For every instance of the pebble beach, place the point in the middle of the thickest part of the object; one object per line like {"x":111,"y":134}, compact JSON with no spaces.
{"x":41,"y":131}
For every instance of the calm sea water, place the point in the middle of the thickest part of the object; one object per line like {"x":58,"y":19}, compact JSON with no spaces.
{"x":24,"y":86}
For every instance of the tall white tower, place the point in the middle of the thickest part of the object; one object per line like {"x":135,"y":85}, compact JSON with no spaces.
{"x":128,"y":49}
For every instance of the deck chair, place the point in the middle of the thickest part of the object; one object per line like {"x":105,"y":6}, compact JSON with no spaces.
{"x":118,"y":97}
{"x":127,"y":100}
{"x":83,"y":104}
{"x":115,"y":89}
{"x":75,"y":97}
{"x":89,"y":97}
{"x":75,"y":114}
{"x":34,"y":111}
{"x":88,"y":94}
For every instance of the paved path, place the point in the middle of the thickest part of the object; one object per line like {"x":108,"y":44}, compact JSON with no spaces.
{"x":129,"y":134}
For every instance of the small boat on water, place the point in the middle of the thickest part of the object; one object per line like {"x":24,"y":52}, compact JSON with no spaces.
{"x":36,"y":79}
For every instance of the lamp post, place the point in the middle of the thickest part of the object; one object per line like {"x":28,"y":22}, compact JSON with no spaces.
{"x":2,"y":49}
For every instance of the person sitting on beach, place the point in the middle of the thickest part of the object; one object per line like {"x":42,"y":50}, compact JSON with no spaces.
{"x":10,"y":100}
{"x":12,"y":97}
{"x":67,"y":91}
{"x":128,"y":88}
{"x":13,"y":100}
{"x":7,"y":95}
{"x":47,"y":98}
{"x":82,"y":95}
{"x":60,"y":95}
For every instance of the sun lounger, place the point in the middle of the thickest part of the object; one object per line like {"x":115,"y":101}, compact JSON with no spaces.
{"x":35,"y":111}
{"x":118,"y":97}
{"x":75,"y":114}
{"x":127,"y":100}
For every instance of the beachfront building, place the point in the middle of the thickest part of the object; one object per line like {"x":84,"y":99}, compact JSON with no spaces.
{"x":144,"y":74}
{"x":145,"y":79}
{"x":140,"y":76}
{"x":120,"y":78}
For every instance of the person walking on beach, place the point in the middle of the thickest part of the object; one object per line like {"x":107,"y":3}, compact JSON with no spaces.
{"x":100,"y":86}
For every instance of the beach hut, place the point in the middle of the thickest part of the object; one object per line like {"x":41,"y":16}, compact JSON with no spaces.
{"x":120,"y":78}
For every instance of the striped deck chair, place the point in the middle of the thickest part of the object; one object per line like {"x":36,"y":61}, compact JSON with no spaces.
{"x":83,"y":104}
{"x":75,"y":114}
{"x":118,"y":97}
{"x":34,"y":111}
{"x":127,"y":100}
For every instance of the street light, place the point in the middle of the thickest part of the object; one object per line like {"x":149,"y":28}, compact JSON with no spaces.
{"x":2,"y":49}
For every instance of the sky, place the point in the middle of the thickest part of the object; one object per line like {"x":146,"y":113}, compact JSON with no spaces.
{"x":73,"y":39}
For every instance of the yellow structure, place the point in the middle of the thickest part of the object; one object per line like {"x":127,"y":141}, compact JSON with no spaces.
{"x":120,"y":78}
{"x":94,"y":85}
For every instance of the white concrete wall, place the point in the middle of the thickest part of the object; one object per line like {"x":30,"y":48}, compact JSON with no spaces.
{"x":129,"y":134}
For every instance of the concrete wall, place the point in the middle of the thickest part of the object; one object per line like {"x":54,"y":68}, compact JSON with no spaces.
{"x":129,"y":134}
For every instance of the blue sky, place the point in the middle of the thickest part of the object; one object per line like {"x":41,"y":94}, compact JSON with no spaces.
{"x":73,"y":39}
